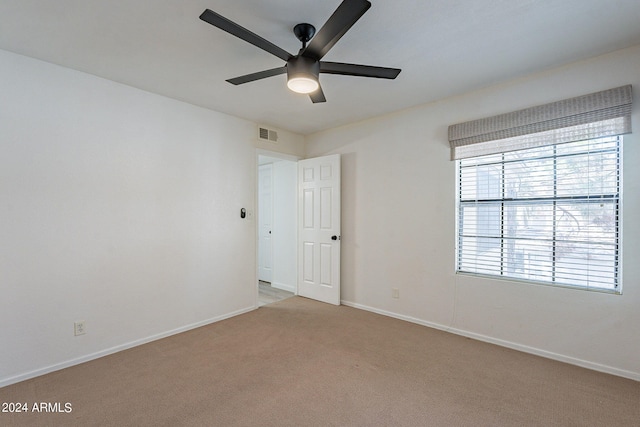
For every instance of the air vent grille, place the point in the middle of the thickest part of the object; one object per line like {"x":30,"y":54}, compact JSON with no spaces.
{"x":268,"y":135}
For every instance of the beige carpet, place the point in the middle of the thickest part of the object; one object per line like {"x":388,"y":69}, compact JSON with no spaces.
{"x":303,"y":363}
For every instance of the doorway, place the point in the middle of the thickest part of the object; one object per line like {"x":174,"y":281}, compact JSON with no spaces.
{"x":277,"y":228}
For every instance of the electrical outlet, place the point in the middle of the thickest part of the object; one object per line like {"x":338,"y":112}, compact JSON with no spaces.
{"x":78,"y":328}
{"x":395,"y":293}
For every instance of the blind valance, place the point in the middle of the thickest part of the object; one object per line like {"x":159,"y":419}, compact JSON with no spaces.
{"x":590,"y":116}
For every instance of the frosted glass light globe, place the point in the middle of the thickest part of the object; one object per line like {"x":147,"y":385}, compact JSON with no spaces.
{"x":302,"y":84}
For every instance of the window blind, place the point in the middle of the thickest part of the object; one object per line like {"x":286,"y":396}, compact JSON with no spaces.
{"x":539,"y":191}
{"x":596,"y":115}
{"x":549,"y":214}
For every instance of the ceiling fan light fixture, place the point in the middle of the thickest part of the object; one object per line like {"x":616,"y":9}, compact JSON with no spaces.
{"x":302,"y":74}
{"x":302,"y":84}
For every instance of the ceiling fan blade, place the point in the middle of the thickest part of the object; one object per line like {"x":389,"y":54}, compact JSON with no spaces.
{"x":232,"y":28}
{"x":257,"y":76}
{"x":336,"y":26}
{"x":358,"y":70}
{"x":317,"y":96}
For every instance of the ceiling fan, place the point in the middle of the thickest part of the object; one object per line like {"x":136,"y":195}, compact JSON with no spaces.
{"x":304,"y":68}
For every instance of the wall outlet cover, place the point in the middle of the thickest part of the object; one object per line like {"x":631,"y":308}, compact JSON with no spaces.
{"x":79,"y":328}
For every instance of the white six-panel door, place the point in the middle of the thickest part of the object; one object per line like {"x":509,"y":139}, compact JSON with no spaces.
{"x":319,"y":228}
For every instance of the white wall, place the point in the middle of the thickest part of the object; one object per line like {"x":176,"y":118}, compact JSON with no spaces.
{"x":120,"y":208}
{"x":398,"y":227}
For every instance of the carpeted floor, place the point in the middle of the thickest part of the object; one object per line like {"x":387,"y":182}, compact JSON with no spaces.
{"x":299,"y":362}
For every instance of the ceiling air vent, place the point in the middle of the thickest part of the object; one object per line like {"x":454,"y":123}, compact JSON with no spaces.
{"x":268,"y":135}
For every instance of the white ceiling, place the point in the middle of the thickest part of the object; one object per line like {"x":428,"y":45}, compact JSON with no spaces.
{"x":444,"y":48}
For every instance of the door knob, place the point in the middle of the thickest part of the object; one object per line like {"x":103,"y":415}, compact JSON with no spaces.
{"x":334,"y":238}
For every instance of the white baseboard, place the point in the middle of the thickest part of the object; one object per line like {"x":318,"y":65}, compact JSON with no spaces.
{"x":283,"y":286}
{"x":515,"y":346}
{"x":76,"y":361}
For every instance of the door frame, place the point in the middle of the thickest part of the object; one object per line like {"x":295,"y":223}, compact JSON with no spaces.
{"x":282,"y":156}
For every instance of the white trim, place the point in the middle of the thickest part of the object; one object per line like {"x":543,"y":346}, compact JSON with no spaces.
{"x":277,"y":155}
{"x":58,"y":366}
{"x":503,"y":343}
{"x":284,"y":287}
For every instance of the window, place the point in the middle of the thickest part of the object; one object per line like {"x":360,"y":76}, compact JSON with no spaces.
{"x":539,"y":192}
{"x":549,"y":214}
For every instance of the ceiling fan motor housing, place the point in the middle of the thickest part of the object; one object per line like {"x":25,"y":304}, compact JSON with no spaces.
{"x":303,"y":67}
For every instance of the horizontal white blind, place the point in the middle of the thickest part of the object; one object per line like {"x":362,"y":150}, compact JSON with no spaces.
{"x":596,"y":115}
{"x":547,"y":214}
